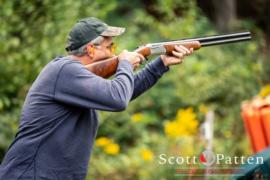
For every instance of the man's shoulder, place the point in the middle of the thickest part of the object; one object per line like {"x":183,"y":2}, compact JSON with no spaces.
{"x":60,"y":64}
{"x":61,"y":61}
{"x":50,"y":73}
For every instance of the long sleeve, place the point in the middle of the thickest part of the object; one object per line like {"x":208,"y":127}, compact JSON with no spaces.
{"x":77,"y":86}
{"x":148,"y":76}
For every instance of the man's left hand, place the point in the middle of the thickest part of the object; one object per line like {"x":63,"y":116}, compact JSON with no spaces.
{"x":179,"y":53}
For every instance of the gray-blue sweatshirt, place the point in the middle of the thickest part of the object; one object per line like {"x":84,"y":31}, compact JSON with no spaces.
{"x":59,"y":121}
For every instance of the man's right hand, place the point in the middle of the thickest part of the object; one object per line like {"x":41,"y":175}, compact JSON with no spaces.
{"x":133,"y":57}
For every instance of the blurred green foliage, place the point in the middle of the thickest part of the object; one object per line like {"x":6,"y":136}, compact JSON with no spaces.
{"x":32,"y":32}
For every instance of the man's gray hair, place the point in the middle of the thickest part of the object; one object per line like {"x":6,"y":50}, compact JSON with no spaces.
{"x":82,"y":50}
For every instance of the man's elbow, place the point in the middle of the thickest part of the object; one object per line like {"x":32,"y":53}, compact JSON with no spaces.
{"x":121,"y":105}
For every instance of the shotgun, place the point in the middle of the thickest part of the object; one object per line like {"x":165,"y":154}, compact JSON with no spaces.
{"x":107,"y":67}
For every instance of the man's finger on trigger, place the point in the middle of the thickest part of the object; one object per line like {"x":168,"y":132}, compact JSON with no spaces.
{"x":141,"y":57}
{"x":138,"y":60}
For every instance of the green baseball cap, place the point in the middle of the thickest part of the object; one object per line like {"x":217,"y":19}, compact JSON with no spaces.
{"x":88,"y":29}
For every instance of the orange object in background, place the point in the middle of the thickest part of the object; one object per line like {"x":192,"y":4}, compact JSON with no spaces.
{"x":256,"y":117}
{"x":265,"y":115}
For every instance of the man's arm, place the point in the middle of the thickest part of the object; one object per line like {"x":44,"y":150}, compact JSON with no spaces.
{"x":147,"y":77}
{"x":77,"y":86}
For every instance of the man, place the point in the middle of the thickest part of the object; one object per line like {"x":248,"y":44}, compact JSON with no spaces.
{"x":59,"y":121}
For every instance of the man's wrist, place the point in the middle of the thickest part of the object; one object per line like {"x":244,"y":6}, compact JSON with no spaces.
{"x":163,"y":59}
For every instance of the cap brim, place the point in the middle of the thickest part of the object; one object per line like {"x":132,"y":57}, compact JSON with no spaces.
{"x":113,"y":31}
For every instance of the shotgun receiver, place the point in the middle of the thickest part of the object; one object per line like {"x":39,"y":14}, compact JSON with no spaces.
{"x":107,"y":67}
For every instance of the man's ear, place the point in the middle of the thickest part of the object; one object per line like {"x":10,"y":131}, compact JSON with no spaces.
{"x":90,"y":49}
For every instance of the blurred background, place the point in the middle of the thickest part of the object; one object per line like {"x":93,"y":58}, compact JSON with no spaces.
{"x":167,"y":119}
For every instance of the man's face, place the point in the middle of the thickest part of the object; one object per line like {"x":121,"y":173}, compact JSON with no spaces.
{"x":104,"y":50}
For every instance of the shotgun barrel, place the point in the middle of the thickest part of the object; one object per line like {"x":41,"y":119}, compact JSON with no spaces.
{"x":213,"y":40}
